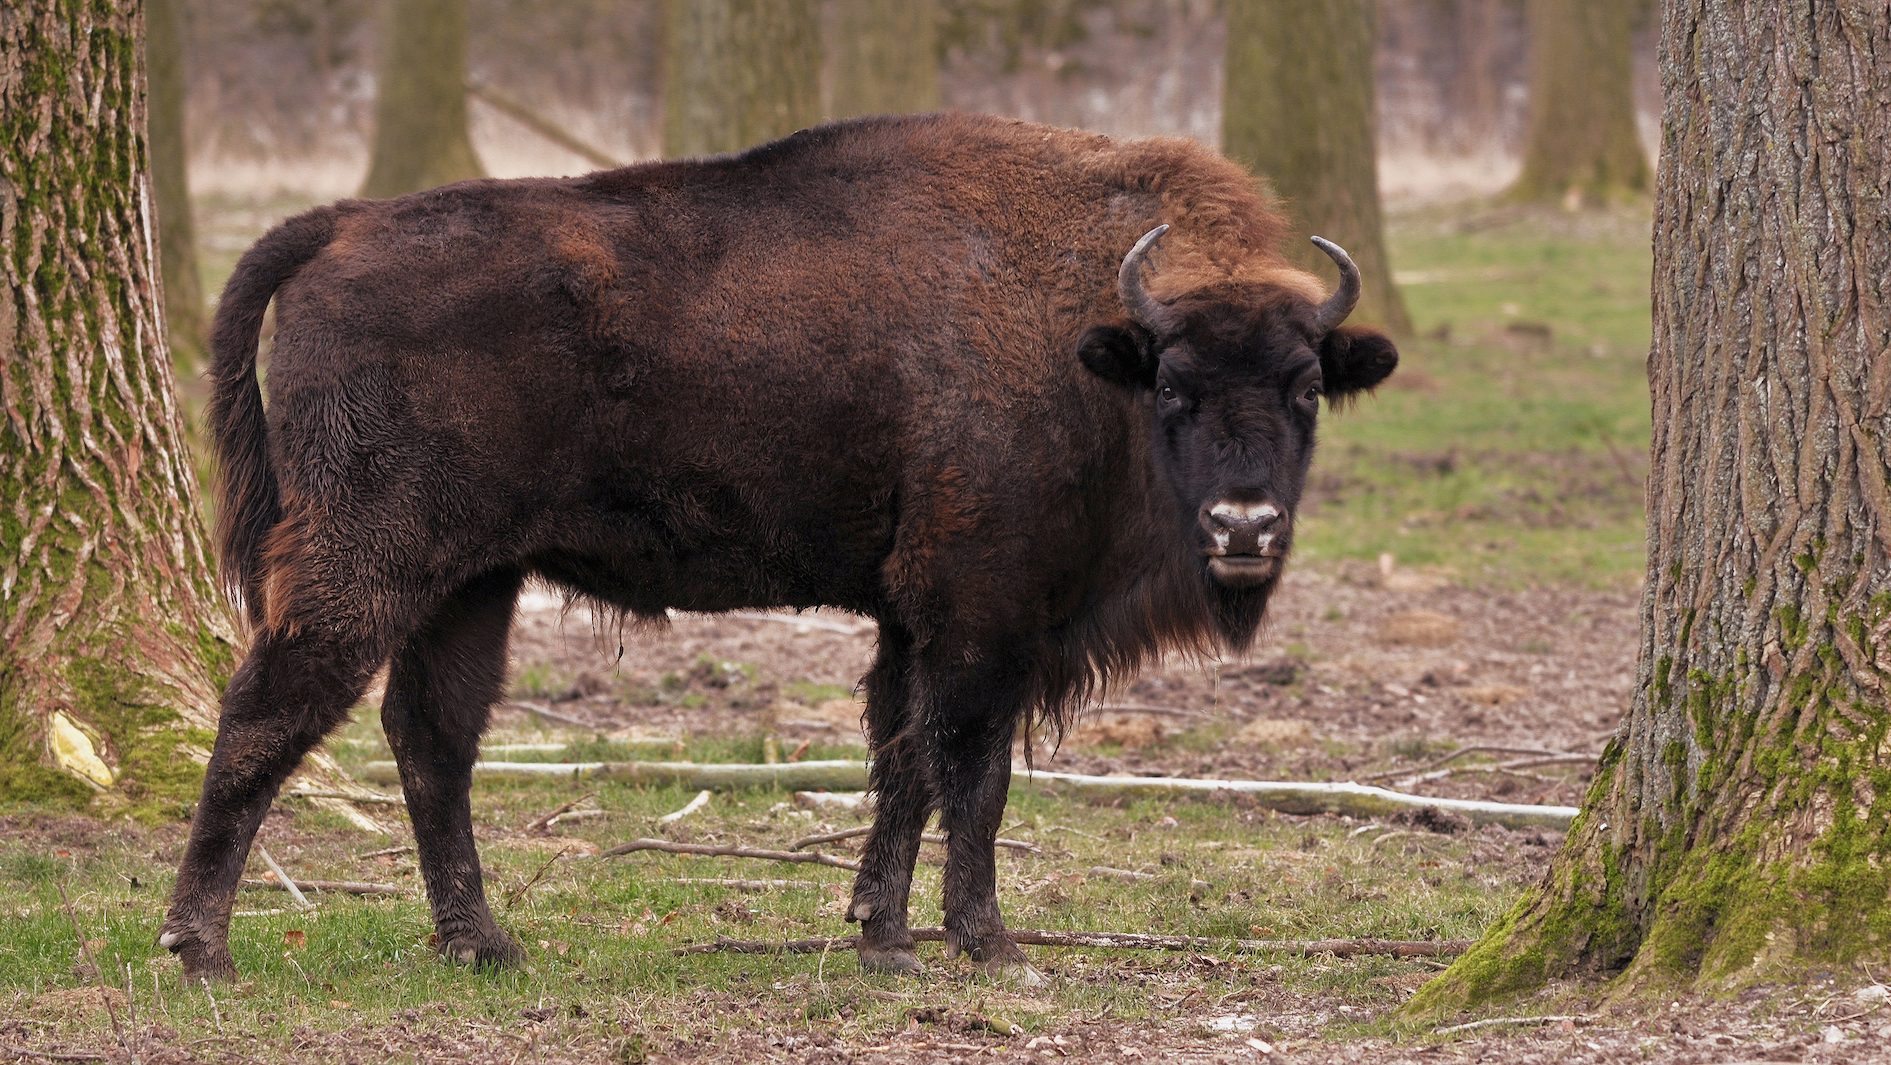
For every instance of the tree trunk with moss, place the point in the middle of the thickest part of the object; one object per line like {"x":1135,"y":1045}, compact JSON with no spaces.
{"x":1298,"y":109}
{"x":1739,"y":827}
{"x":184,"y":317}
{"x":115,"y":639}
{"x":739,"y":72}
{"x":885,"y":57}
{"x":420,"y":131}
{"x":1581,"y":146}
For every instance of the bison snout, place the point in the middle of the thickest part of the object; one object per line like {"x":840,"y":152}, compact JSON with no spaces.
{"x":1241,"y":528}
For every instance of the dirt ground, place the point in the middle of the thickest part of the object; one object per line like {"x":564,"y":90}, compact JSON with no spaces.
{"x":1360,"y":672}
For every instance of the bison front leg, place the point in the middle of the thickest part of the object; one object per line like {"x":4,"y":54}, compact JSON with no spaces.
{"x":903,"y":800}
{"x":439,"y":691}
{"x":973,"y":723}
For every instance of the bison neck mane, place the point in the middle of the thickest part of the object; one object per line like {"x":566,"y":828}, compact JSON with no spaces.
{"x":1152,"y":596}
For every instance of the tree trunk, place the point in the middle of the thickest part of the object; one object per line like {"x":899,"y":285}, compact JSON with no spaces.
{"x":1739,"y":826}
{"x":420,"y":134}
{"x":1581,"y":146}
{"x":886,"y":57}
{"x":184,"y":317}
{"x":115,"y":638}
{"x":739,"y":72}
{"x":1298,"y":109}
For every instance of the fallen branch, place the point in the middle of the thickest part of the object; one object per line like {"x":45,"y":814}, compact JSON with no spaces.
{"x":815,"y":857}
{"x":1344,"y":948}
{"x":540,"y":710}
{"x":517,"y":894}
{"x":347,"y":796}
{"x":386,"y":852}
{"x":701,"y":800}
{"x":1500,"y":1022}
{"x":929,"y":837}
{"x":1292,"y":797}
{"x":50,"y":1055}
{"x":540,"y":824}
{"x":283,"y":878}
{"x":1465,"y":752}
{"x":345,"y":887}
{"x":831,"y":800}
{"x":745,"y":885}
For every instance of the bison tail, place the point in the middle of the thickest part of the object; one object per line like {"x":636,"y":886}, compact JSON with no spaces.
{"x":248,"y":502}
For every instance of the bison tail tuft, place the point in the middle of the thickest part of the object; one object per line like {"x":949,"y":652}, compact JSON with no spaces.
{"x":248,"y":502}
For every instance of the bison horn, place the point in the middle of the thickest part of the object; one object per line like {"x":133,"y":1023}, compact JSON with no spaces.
{"x":1345,"y":297}
{"x":1148,"y":312}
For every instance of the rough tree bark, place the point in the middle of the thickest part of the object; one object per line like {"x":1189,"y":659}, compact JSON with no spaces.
{"x":1739,"y":826}
{"x":885,"y":57}
{"x":114,"y":636}
{"x":1581,"y":146}
{"x":114,"y":641}
{"x":184,"y":318}
{"x":420,"y":132}
{"x":738,"y":72}
{"x":1298,"y":109}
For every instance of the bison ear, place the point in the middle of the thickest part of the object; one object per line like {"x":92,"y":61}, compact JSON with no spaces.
{"x":1125,"y":354}
{"x":1354,"y":359}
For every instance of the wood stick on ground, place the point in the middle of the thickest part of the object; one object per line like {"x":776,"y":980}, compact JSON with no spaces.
{"x":540,"y":824}
{"x":1292,"y":797}
{"x":712,"y":850}
{"x":1465,"y":752}
{"x":746,"y":885}
{"x":1500,"y":1022}
{"x":50,"y":1055}
{"x":1396,"y":948}
{"x":345,"y":887}
{"x":347,"y":796}
{"x":283,"y":878}
{"x":831,"y":800}
{"x":386,"y":852}
{"x":540,"y":710}
{"x":701,"y":800}
{"x":516,"y":895}
{"x":929,"y":837}
{"x":1113,"y":873}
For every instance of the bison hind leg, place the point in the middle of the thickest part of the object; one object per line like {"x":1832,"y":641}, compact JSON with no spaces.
{"x":440,"y":690}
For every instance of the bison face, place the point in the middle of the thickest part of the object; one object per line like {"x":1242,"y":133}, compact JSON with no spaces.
{"x":1234,"y":373}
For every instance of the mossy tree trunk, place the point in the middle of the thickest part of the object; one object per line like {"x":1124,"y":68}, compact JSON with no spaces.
{"x":115,"y":640}
{"x":1581,"y":146}
{"x":885,"y":57}
{"x":1298,"y":109}
{"x":184,"y":317}
{"x":420,"y":132}
{"x":739,"y":72}
{"x":1740,"y":823}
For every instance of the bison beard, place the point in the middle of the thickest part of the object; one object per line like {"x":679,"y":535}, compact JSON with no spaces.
{"x":901,"y":367}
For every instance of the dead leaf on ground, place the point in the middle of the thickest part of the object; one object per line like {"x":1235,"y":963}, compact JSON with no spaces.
{"x":296,"y":939}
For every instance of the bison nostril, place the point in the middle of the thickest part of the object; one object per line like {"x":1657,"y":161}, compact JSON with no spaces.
{"x":1241,"y":528}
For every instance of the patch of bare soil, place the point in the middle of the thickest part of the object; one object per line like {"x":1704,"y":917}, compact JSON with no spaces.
{"x":1358,"y":674}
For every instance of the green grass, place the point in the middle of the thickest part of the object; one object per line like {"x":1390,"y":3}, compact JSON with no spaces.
{"x":1511,"y":445}
{"x":600,"y":933}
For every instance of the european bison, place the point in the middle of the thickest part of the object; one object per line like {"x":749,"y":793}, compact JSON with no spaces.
{"x":898,"y":366}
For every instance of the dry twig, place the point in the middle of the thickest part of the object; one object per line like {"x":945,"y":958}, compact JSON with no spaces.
{"x":1465,"y":752}
{"x":746,"y":885}
{"x":50,"y":1055}
{"x":711,"y":850}
{"x":540,"y":710}
{"x":283,"y":878}
{"x":1397,"y":948}
{"x":516,"y":895}
{"x":542,"y":823}
{"x":346,"y":887}
{"x":929,"y":837}
{"x":701,"y":800}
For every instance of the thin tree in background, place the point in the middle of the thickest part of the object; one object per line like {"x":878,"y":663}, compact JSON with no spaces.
{"x":177,"y":234}
{"x":885,"y":57}
{"x":420,"y":131}
{"x":114,"y":637}
{"x":739,"y":72}
{"x":1581,"y":146}
{"x":1298,"y":109}
{"x":1739,"y":826}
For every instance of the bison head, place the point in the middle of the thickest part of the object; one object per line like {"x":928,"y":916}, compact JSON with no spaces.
{"x":1233,"y":372}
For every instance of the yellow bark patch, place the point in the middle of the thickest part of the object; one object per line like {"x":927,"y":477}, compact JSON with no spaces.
{"x":75,"y":753}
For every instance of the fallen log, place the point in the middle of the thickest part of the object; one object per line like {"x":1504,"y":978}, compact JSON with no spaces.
{"x":1292,"y":797}
{"x":1307,"y":948}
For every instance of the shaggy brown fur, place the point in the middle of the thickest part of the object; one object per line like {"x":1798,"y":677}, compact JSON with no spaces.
{"x":880,"y":365}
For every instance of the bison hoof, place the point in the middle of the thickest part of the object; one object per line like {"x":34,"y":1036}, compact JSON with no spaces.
{"x":485,"y":950}
{"x":202,"y":961}
{"x":898,"y":961}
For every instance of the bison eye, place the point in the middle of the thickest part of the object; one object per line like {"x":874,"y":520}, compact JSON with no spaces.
{"x":1311,"y":397}
{"x":1169,"y":395}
